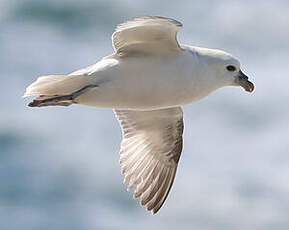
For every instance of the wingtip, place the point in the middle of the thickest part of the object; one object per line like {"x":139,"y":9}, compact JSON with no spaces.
{"x":33,"y":103}
{"x":153,"y":212}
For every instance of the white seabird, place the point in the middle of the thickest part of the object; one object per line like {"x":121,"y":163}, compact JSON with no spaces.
{"x":146,"y":81}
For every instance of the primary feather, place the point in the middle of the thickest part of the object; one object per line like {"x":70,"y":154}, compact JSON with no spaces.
{"x":150,"y":151}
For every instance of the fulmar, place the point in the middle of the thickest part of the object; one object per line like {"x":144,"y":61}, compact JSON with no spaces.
{"x":146,"y":81}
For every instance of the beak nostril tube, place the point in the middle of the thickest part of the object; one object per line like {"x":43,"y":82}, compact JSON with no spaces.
{"x":243,"y":81}
{"x":242,"y":76}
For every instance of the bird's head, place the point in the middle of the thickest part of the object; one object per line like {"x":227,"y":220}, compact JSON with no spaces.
{"x":226,"y":69}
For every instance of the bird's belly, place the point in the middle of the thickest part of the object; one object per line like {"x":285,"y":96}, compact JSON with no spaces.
{"x":141,"y":85}
{"x":140,"y":96}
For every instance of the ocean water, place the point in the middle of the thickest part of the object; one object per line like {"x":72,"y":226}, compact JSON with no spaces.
{"x":59,"y":166}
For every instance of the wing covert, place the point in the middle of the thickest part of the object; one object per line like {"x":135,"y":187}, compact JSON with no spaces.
{"x":147,"y":34}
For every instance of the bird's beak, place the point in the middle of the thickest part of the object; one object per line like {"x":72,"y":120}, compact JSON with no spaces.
{"x":242,"y":80}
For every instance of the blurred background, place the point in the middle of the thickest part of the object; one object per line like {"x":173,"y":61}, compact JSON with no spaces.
{"x":59,"y":166}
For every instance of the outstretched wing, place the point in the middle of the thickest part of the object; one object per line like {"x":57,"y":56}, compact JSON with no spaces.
{"x":147,"y":35}
{"x":150,"y":151}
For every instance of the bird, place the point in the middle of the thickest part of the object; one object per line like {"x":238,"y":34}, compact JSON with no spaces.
{"x":146,"y":81}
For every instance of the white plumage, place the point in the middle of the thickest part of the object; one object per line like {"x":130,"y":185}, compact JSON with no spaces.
{"x":146,"y":81}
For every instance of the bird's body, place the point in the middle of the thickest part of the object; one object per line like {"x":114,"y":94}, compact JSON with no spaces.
{"x":126,"y":83}
{"x":146,"y":81}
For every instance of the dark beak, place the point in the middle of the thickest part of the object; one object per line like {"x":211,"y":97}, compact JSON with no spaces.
{"x":242,"y":80}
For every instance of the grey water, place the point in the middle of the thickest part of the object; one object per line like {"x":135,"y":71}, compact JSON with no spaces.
{"x":59,"y":166}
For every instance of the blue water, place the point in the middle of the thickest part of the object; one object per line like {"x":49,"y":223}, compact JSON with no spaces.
{"x":59,"y":166}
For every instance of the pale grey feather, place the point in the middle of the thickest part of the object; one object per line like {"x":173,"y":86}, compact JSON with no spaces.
{"x":146,"y":35}
{"x":150,"y":151}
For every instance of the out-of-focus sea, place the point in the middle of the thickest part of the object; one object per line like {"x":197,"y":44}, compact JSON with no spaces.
{"x":59,"y":166}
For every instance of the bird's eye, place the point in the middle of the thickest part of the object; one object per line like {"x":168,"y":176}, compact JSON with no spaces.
{"x":231,"y":68}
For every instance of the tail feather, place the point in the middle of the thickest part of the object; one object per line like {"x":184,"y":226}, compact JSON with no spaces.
{"x":58,"y":89}
{"x":56,"y":85}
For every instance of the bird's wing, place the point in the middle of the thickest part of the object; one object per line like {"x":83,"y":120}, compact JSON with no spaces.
{"x":150,"y":151}
{"x":146,"y":35}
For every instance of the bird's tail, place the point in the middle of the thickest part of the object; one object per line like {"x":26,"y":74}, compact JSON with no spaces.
{"x":57,"y":89}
